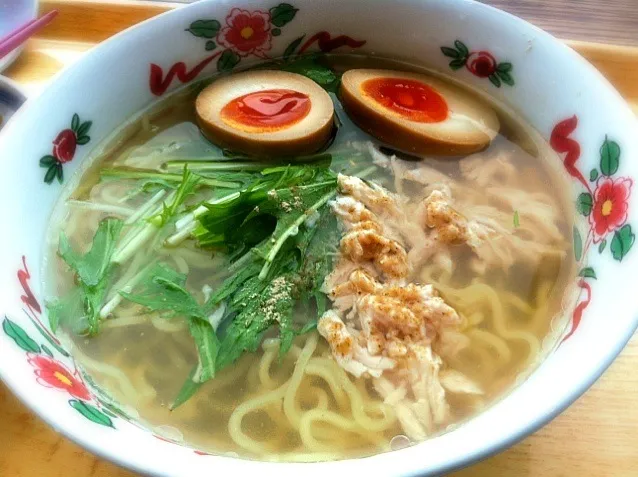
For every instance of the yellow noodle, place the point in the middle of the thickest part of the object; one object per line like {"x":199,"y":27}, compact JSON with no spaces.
{"x":182,"y":265}
{"x":358,"y":407}
{"x":264,"y":368}
{"x":318,"y":368}
{"x":334,"y":419}
{"x":234,"y":423}
{"x":322,"y":397}
{"x":290,"y":405}
{"x":517,"y":302}
{"x":110,"y":195}
{"x":493,"y":341}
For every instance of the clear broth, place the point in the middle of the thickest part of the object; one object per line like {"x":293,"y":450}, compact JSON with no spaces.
{"x":142,"y":366}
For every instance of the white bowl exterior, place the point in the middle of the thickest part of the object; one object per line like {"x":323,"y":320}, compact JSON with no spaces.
{"x":111,"y":83}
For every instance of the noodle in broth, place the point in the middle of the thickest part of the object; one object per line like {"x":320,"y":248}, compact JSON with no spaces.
{"x":303,"y":406}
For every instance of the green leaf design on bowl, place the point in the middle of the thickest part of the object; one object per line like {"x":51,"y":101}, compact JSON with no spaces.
{"x":91,"y":412}
{"x":21,"y":338}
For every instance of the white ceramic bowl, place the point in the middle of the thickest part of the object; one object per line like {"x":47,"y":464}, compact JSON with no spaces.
{"x":565,"y":99}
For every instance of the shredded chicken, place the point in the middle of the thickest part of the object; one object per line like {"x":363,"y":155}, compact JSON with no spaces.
{"x":441,"y":225}
{"x":478,"y":209}
{"x":450,"y":226}
{"x":348,"y":353}
{"x":382,"y":325}
{"x":373,"y":197}
{"x":387,"y":255}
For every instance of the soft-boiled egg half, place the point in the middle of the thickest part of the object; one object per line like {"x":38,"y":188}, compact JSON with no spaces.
{"x":266,"y":113}
{"x":417,"y":113}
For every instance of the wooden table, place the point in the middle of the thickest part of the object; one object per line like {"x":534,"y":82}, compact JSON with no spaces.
{"x":597,"y":436}
{"x":602,"y":21}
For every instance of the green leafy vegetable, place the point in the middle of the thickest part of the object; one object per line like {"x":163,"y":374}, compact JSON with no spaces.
{"x":162,"y":289}
{"x":186,"y":187}
{"x":92,"y":266}
{"x":307,"y":200}
{"x":236,"y":222}
{"x":259,"y":306}
{"x":319,"y":248}
{"x":242,"y":167}
{"x":292,"y":233}
{"x":207,"y":347}
{"x":167,"y":180}
{"x":310,"y":67}
{"x":187,"y":391}
{"x":92,"y":270}
{"x":65,"y":308}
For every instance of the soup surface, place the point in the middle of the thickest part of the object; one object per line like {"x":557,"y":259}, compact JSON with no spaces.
{"x":442,"y":278}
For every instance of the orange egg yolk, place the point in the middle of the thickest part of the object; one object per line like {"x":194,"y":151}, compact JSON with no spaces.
{"x":267,"y":110}
{"x":411,"y":99}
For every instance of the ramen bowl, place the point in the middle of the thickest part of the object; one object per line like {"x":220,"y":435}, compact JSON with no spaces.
{"x":584,"y":120}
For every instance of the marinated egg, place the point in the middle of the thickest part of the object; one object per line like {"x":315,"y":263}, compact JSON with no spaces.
{"x":266,"y":113}
{"x":417,"y":113}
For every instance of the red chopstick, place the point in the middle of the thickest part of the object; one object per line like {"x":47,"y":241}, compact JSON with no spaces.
{"x":22,"y":33}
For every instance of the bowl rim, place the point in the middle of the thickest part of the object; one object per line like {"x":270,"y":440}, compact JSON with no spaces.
{"x":410,"y":466}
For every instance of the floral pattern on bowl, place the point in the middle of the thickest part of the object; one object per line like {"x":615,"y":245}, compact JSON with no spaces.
{"x":480,"y":63}
{"x":606,"y":206}
{"x":245,"y":33}
{"x":48,"y":358}
{"x":64,"y":146}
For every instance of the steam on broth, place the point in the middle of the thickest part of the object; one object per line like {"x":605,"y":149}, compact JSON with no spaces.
{"x":385,"y":299}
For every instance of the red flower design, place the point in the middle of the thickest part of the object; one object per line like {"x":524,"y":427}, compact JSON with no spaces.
{"x":246,"y":32}
{"x":611,"y":201}
{"x":64,"y":146}
{"x":481,"y":64}
{"x":50,"y":373}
